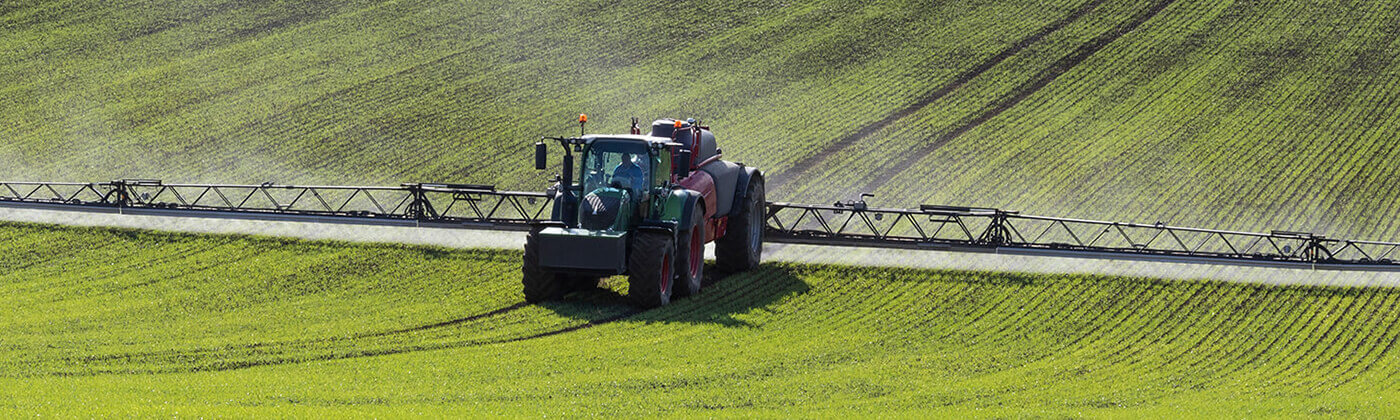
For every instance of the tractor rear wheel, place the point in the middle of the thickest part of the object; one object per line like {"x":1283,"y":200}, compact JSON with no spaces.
{"x":540,"y":284}
{"x":741,"y":248}
{"x":651,"y":268}
{"x":690,"y":255}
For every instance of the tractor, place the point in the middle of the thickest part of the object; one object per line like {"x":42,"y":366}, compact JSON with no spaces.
{"x":644,"y":206}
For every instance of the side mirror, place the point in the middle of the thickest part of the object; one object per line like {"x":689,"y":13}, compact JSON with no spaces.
{"x":540,"y":155}
{"x":683,"y":164}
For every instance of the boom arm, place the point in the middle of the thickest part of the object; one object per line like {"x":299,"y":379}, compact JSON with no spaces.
{"x":949,"y":228}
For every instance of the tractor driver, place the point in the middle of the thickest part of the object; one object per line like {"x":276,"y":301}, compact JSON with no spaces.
{"x":629,"y":175}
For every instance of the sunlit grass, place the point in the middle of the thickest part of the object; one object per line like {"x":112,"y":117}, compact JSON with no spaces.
{"x":152,"y":323}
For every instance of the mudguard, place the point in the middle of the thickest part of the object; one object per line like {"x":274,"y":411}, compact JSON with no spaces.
{"x":668,"y":228}
{"x":680,"y":205}
{"x":726,"y":177}
{"x":741,"y":188}
{"x":565,"y":210}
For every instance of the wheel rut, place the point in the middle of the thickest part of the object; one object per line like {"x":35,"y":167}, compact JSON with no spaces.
{"x":344,"y":347}
{"x":245,"y":364}
{"x":298,"y":342}
{"x":1016,"y":96}
{"x":942,"y":91}
{"x":376,"y":343}
{"x":253,"y":350}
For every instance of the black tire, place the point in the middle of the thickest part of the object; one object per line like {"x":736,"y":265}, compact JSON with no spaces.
{"x":539,"y":284}
{"x":690,"y":255}
{"x":651,"y":269}
{"x":741,"y":248}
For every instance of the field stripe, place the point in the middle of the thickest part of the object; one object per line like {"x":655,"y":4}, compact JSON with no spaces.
{"x":269,"y":354}
{"x":1022,"y":92}
{"x":1348,"y":368}
{"x":232,"y":357}
{"x":1354,"y":374}
{"x":781,"y":180}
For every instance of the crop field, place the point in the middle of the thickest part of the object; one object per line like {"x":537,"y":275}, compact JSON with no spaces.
{"x":137,"y":322}
{"x":1230,"y":114}
{"x":1237,"y":114}
{"x":412,"y":90}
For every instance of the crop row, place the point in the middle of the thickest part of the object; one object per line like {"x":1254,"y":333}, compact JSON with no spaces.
{"x":1204,"y":118}
{"x":1201,"y":114}
{"x":102,"y":300}
{"x":407,"y":97}
{"x":89,"y":301}
{"x":863,"y":165}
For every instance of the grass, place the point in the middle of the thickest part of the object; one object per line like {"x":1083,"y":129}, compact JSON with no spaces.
{"x":1233,"y":115}
{"x":401,"y":91}
{"x":151,"y":323}
{"x":1214,"y":114}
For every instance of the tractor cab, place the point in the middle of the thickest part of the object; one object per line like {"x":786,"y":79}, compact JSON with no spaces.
{"x":619,"y":175}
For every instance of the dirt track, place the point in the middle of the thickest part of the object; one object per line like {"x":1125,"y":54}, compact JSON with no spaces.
{"x":460,"y":238}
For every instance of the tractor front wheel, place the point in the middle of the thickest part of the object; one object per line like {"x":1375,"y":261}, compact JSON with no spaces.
{"x":690,"y":255}
{"x":540,"y":284}
{"x":651,"y":269}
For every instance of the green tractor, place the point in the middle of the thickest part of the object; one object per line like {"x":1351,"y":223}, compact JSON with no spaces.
{"x":645,"y":206}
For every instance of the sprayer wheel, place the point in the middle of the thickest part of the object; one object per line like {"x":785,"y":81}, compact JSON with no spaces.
{"x":741,"y":248}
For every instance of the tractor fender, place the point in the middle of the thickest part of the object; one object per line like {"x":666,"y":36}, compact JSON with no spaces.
{"x":726,"y":177}
{"x":564,"y":210}
{"x":680,"y":206}
{"x":667,"y":228}
{"x":741,"y":188}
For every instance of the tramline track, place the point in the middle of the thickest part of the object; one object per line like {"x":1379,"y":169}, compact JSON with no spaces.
{"x":846,"y":224}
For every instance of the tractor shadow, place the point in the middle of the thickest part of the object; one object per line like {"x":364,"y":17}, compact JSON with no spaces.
{"x":722,"y":298}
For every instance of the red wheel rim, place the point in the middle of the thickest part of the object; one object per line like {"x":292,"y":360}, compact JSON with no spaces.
{"x":697,"y":251}
{"x":666,"y":274}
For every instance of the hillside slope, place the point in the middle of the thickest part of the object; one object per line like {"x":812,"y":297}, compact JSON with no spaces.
{"x":388,"y":91}
{"x":1235,"y":114}
{"x":1247,"y":115}
{"x":122,"y":321}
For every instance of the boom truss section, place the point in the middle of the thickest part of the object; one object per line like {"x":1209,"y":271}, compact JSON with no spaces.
{"x":441,"y":205}
{"x":852,"y":224}
{"x":972,"y":229}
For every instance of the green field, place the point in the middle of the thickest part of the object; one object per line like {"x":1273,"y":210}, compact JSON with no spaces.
{"x":1235,"y":114}
{"x":1224,"y":114}
{"x":133,"y":322}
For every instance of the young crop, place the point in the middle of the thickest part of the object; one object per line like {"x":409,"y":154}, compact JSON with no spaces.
{"x":208,"y":321}
{"x":1236,"y":115}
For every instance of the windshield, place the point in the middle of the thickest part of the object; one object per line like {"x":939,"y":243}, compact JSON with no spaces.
{"x":620,"y":165}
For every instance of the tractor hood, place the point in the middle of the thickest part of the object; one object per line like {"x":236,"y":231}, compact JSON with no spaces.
{"x":604,"y":209}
